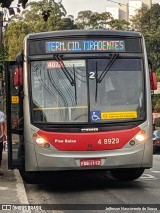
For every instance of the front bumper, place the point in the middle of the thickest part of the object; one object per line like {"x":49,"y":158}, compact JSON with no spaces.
{"x":51,"y":160}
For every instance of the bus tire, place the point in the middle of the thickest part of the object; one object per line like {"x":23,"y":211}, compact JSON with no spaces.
{"x":127,"y":174}
{"x":29,"y":177}
{"x":154,"y":150}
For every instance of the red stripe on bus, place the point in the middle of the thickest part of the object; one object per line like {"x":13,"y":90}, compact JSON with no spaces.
{"x":89,"y":141}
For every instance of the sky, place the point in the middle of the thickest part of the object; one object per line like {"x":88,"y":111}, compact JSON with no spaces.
{"x":74,"y":6}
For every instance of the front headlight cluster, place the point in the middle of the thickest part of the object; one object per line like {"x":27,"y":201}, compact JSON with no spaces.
{"x":40,"y":141}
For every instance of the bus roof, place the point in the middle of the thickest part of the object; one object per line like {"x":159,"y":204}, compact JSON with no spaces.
{"x":84,"y":33}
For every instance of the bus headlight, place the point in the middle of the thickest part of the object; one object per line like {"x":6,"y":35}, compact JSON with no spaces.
{"x":140,"y":137}
{"x":40,"y":141}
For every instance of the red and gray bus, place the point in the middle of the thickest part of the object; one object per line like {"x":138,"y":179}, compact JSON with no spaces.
{"x":80,"y":100}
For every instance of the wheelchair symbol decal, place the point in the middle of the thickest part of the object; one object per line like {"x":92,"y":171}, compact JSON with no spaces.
{"x":95,"y":115}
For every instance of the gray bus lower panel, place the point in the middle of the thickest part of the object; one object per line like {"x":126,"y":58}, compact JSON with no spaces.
{"x":40,"y":159}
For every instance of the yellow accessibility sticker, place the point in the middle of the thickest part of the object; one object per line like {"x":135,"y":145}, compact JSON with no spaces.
{"x":118,"y":115}
{"x":15,"y":99}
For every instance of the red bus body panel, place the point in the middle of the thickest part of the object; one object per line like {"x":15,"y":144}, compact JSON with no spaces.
{"x":89,"y":141}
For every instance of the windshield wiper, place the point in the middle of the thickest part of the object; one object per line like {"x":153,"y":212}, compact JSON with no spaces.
{"x":112,"y":60}
{"x":75,"y":84}
{"x":68,"y":75}
{"x":65,"y":70}
{"x":96,"y":82}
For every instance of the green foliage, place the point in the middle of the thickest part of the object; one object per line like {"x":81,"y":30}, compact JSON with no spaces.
{"x":147,"y":21}
{"x":31,"y":22}
{"x":157,"y":106}
{"x":155,"y":99}
{"x":3,"y":55}
{"x":120,"y":24}
{"x":1,"y":70}
{"x":93,"y":20}
{"x":158,"y":75}
{"x":13,"y":38}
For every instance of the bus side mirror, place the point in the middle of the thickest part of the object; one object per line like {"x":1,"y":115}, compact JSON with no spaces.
{"x":153,"y":80}
{"x":18,"y":77}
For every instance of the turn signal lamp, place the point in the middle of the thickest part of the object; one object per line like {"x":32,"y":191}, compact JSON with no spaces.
{"x":35,"y":135}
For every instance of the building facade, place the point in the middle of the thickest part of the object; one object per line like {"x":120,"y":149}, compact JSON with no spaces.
{"x":128,"y":10}
{"x":114,"y":12}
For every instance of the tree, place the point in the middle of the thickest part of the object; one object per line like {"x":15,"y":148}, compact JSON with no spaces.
{"x":31,"y":21}
{"x":147,"y":21}
{"x":83,"y":19}
{"x":100,"y":20}
{"x":119,"y":24}
{"x":3,"y":55}
{"x":93,"y":20}
{"x":56,"y":17}
{"x":13,"y":38}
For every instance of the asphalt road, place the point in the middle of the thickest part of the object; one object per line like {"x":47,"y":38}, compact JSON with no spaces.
{"x":98,"y":188}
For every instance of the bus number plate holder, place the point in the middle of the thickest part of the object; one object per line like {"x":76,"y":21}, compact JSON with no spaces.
{"x":90,"y":162}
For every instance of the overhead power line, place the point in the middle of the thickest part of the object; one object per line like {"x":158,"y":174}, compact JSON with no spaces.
{"x":120,"y":4}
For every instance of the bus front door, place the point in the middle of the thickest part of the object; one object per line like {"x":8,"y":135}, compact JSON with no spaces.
{"x":14,"y":112}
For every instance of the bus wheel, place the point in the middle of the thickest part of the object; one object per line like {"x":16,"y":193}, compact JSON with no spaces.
{"x":29,"y":177}
{"x":127,"y":174}
{"x":156,"y":150}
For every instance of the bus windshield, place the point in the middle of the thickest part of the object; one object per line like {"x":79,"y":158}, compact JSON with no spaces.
{"x":118,"y":96}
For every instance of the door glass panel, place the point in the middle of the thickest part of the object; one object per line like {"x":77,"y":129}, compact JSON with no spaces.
{"x":14,"y":120}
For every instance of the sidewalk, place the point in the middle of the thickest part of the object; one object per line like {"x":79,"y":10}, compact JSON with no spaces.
{"x":12,"y":191}
{"x":11,"y":187}
{"x":8,"y":188}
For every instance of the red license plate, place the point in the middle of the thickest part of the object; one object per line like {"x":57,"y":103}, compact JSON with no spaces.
{"x":90,"y":162}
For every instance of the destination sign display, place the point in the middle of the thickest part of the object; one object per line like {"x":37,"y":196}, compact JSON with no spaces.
{"x":85,"y":46}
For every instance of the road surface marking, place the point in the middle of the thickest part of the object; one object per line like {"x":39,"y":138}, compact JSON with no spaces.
{"x":56,"y":211}
{"x":3,"y":188}
{"x":155,"y":171}
{"x":148,"y":177}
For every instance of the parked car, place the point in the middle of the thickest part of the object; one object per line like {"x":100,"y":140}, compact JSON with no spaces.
{"x":156,"y":141}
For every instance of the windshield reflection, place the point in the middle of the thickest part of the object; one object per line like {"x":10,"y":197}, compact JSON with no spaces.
{"x":119,"y":95}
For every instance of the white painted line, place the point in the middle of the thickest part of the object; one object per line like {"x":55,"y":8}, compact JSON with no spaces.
{"x":55,"y":211}
{"x":155,"y":171}
{"x":148,"y":177}
{"x":21,"y":192}
{"x":3,"y":188}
